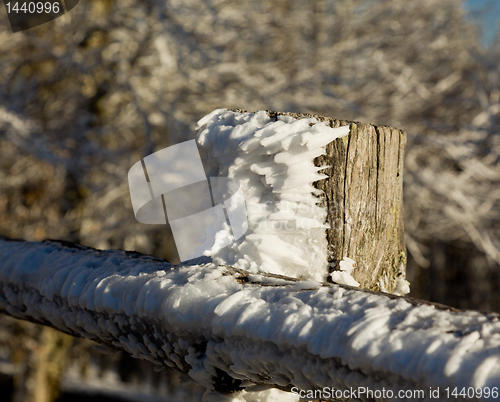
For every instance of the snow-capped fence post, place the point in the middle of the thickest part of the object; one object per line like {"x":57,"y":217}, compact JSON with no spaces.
{"x":363,"y":196}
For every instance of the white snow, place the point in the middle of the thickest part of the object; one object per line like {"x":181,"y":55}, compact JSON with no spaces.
{"x":269,"y":395}
{"x":402,"y":287}
{"x":198,"y":317}
{"x":307,"y":284}
{"x":273,"y":162}
{"x":344,"y":277}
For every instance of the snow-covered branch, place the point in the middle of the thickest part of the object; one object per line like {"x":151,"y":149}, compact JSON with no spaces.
{"x":230,"y":330}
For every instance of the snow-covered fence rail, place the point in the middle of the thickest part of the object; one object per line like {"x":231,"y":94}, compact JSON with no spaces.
{"x":230,"y":330}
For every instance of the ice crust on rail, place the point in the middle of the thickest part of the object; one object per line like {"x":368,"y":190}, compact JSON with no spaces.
{"x":201,"y":317}
{"x":272,"y":158}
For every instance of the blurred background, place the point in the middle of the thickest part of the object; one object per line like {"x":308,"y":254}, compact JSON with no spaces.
{"x":84,"y":97}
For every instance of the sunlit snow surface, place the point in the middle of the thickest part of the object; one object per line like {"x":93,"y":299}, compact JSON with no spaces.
{"x":343,"y":276}
{"x":200,"y":317}
{"x":272,"y":159}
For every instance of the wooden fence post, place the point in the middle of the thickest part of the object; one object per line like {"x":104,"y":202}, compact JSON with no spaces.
{"x":364,"y":199}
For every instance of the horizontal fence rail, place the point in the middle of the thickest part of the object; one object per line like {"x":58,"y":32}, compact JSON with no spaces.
{"x":230,"y":330}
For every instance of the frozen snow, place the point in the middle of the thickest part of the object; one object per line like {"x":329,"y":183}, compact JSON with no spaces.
{"x":273,"y":161}
{"x":344,"y":277}
{"x":269,"y":395}
{"x":200,"y":317}
{"x":402,"y":287}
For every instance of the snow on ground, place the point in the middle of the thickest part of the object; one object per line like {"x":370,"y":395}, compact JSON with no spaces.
{"x":108,"y":384}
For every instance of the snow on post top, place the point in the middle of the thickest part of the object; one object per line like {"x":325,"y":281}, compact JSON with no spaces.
{"x":272,"y":158}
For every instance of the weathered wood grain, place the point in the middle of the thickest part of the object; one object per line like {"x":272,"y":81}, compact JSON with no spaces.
{"x":364,"y":198}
